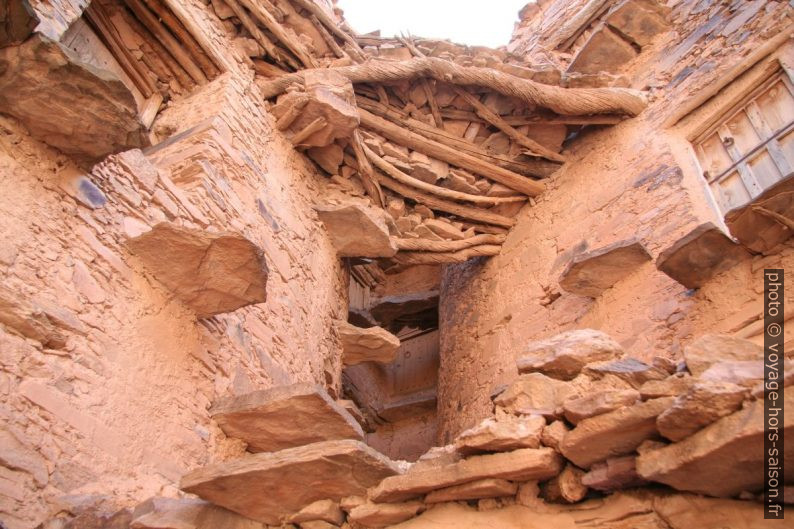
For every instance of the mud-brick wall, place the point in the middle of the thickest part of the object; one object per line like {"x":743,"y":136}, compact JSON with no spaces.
{"x":113,"y":400}
{"x":635,"y":180}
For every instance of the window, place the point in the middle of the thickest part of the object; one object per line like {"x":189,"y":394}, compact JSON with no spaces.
{"x":751,"y":147}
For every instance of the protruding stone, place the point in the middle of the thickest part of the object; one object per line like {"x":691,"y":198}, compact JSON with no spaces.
{"x":378,"y":515}
{"x":212,"y":273}
{"x":634,"y":372}
{"x":501,"y":435}
{"x":373,"y":344}
{"x":712,"y":348}
{"x":553,"y":434}
{"x":598,"y":403}
{"x":284,"y":417}
{"x":563,"y":356}
{"x":567,"y":487}
{"x":592,"y":272}
{"x":535,"y":394}
{"x":519,"y":465}
{"x":81,"y":110}
{"x":271,"y":486}
{"x":633,"y":19}
{"x":703,"y":404}
{"x":700,"y":255}
{"x":474,"y":490}
{"x":324,"y":510}
{"x":357,"y":229}
{"x":672,"y":386}
{"x":722,"y":459}
{"x":160,"y":513}
{"x":613,"y":434}
{"x":604,"y":51}
{"x":419,"y":309}
{"x":614,"y":474}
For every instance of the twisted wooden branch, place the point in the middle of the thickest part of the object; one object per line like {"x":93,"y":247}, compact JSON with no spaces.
{"x":568,"y":101}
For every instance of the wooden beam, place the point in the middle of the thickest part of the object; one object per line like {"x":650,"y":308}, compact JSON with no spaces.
{"x":270,"y":22}
{"x":365,"y":170}
{"x":315,"y":126}
{"x":441,"y":204}
{"x":416,"y":258}
{"x":270,"y":48}
{"x":518,"y":121}
{"x":494,"y":119}
{"x":442,"y":192}
{"x":426,"y":245}
{"x":455,"y":157}
{"x":532,"y":167}
{"x":292,"y":113}
{"x":328,"y":38}
{"x":328,"y":22}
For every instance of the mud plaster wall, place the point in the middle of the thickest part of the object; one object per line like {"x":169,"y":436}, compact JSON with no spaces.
{"x":636,"y":179}
{"x":120,"y":410}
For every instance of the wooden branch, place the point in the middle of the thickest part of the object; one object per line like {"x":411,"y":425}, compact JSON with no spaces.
{"x":575,"y":25}
{"x":426,"y":245}
{"x":440,"y":204}
{"x":568,"y":101}
{"x":167,"y":40}
{"x":774,"y":215}
{"x":328,"y":38}
{"x":532,"y":167}
{"x":259,"y":36}
{"x":315,"y":126}
{"x":494,"y":119}
{"x":292,"y":113}
{"x":518,"y":121}
{"x":266,"y":69}
{"x":269,"y":21}
{"x":484,"y":228}
{"x":328,"y":22}
{"x":109,"y":35}
{"x":443,"y":192}
{"x":365,"y":170}
{"x":447,"y":154}
{"x":185,"y":37}
{"x":415,"y":258}
{"x":431,"y":101}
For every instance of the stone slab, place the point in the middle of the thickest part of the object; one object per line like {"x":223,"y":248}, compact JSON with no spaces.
{"x":604,"y":51}
{"x":563,"y":356}
{"x":271,"y":486}
{"x":371,"y":344}
{"x":211,"y":272}
{"x":592,"y":272}
{"x":474,"y":490}
{"x":285,"y":417}
{"x":357,"y":229}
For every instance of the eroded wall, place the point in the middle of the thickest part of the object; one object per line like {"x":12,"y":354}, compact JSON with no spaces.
{"x":116,"y":405}
{"x":636,"y":179}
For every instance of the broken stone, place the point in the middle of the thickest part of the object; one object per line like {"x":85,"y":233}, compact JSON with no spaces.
{"x":723,"y":458}
{"x":502,"y":435}
{"x":329,"y":157}
{"x":598,"y":403}
{"x":603,"y":51}
{"x":745,"y":373}
{"x":212,"y":273}
{"x":553,"y":434}
{"x":519,"y":465}
{"x":385,"y":514}
{"x":327,"y":470}
{"x":373,"y":344}
{"x":284,"y":417}
{"x":563,"y":356}
{"x":634,"y":372}
{"x":535,"y":393}
{"x":474,"y":490}
{"x":668,"y":387}
{"x":639,"y":24}
{"x":613,"y":434}
{"x":356,"y":229}
{"x":445,"y":230}
{"x":712,"y":348}
{"x":438,"y":456}
{"x":427,"y":169}
{"x":567,"y":487}
{"x":592,"y":272}
{"x":396,"y":208}
{"x":184,"y":513}
{"x":614,"y":474}
{"x":703,"y":404}
{"x":79,"y":109}
{"x":323,"y":510}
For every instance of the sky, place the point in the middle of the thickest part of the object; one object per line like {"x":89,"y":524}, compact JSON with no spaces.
{"x":473,"y":22}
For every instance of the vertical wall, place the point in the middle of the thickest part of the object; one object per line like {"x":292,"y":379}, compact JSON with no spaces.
{"x":105,"y":377}
{"x":637,"y":180}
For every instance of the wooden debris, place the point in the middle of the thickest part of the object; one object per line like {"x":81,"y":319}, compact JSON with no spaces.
{"x":269,"y":21}
{"x":329,"y":23}
{"x":328,"y":38}
{"x":259,"y":36}
{"x":315,"y":126}
{"x":289,"y":117}
{"x":365,"y":170}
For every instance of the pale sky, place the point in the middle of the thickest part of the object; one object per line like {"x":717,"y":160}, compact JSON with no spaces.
{"x":473,"y":22}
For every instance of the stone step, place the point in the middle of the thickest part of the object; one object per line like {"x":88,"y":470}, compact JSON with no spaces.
{"x":285,"y":417}
{"x":269,"y":487}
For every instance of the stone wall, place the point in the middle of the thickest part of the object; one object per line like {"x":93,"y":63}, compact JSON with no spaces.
{"x":637,"y":180}
{"x":105,"y":377}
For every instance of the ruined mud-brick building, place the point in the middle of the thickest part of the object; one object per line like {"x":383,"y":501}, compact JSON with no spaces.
{"x":259,"y":270}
